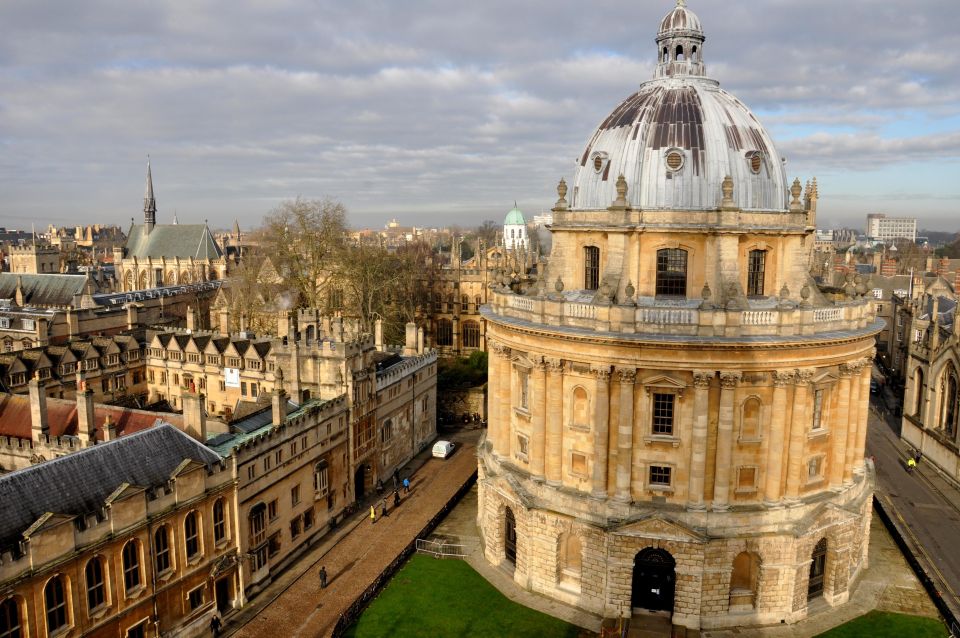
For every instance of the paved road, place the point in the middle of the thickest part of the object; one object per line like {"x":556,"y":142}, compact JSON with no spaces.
{"x":922,"y":504}
{"x":302,"y":610}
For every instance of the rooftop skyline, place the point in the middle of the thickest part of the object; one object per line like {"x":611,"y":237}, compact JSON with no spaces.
{"x":440,"y":114}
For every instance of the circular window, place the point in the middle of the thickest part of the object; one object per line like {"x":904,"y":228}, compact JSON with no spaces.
{"x":674,"y":160}
{"x":599,"y":162}
{"x":756,"y":162}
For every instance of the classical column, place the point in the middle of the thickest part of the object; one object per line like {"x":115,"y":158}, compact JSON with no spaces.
{"x":840,"y":429}
{"x":773,"y":486}
{"x":724,"y":455}
{"x":641,"y":428}
{"x":554,"y":424}
{"x":627,"y":380}
{"x":698,"y":447}
{"x":601,"y":429}
{"x":499,"y":406}
{"x":799,"y":427}
{"x":858,"y":448}
{"x":853,"y":422}
{"x":538,"y":414}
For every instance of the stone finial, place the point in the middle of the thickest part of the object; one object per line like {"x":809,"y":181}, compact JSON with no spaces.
{"x":562,"y":192}
{"x":621,"y":200}
{"x":629,"y":291}
{"x":726,"y":188}
{"x":805,"y":293}
{"x":795,"y":191}
{"x":558,"y":286}
{"x":705,"y":294}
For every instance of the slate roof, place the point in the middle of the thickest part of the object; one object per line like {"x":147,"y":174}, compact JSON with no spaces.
{"x":172,"y":241}
{"x":79,"y":483}
{"x":42,"y":290}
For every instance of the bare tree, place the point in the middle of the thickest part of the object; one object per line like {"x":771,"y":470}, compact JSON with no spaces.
{"x":303,"y":239}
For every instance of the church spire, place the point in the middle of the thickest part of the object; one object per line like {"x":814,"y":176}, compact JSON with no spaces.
{"x":149,"y":203}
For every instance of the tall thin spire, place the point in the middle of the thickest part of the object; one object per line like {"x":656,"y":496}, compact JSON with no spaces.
{"x":149,"y":203}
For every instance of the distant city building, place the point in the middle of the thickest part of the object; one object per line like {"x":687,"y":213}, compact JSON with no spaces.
{"x":35,"y":258}
{"x":168,"y":254}
{"x":542,"y":220}
{"x":880,"y":227}
{"x":515,"y":230}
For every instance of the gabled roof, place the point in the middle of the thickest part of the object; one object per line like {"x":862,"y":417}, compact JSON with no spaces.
{"x":42,"y":290}
{"x":80,"y":483}
{"x":172,"y":241}
{"x":15,"y":417}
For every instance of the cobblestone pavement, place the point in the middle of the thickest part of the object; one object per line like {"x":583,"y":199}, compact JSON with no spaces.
{"x":294,"y":605}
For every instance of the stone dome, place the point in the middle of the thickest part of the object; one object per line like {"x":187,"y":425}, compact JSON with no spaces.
{"x":679,"y":136}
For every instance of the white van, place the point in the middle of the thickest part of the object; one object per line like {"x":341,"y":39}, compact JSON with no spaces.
{"x":442,"y":449}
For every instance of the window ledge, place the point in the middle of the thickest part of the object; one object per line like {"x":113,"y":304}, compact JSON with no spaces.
{"x":524,"y":412}
{"x":814,"y":481}
{"x":523,"y":458}
{"x":749,"y":441}
{"x":663,"y":489}
{"x":222,"y":542}
{"x":135,"y":592}
{"x":662,"y":439}
{"x":195,"y":559}
{"x":100,"y":611}
{"x":819,"y":433}
{"x":579,"y":428}
{"x":745,"y":490}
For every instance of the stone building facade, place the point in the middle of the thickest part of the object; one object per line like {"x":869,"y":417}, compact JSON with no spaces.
{"x":677,"y":425}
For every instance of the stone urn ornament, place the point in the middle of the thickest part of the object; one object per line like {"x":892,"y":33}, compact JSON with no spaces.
{"x":558,"y":286}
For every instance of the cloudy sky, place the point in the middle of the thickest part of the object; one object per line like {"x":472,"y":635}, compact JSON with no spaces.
{"x":442,"y":112}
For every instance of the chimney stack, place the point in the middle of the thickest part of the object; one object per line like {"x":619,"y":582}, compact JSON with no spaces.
{"x":109,"y":429}
{"x":38,"y":409}
{"x":194,"y":418}
{"x":378,"y":334}
{"x":224,"y":321}
{"x":279,"y":401}
{"x":86,"y":425}
{"x":420,"y":342}
{"x":410,"y":342}
{"x":191,"y":319}
{"x":132,"y":319}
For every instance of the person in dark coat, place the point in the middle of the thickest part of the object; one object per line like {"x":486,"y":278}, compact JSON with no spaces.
{"x":323,"y":577}
{"x":215,"y":625}
{"x":396,"y":498}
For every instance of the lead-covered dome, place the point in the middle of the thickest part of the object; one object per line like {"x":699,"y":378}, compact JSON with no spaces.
{"x":679,"y":136}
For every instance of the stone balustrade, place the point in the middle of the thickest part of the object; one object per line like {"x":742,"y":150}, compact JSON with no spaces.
{"x":682,"y":317}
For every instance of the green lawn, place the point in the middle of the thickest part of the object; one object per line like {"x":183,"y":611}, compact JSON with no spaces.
{"x":439,"y":598}
{"x":880,"y":624}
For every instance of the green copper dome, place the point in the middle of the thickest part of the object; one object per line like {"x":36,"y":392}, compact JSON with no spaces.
{"x":514,"y":217}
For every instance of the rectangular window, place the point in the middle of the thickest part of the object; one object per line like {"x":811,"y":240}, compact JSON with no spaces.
{"x":308,"y":519}
{"x":295,"y":527}
{"x":755,"y":272}
{"x":671,"y":272}
{"x":138,"y":631}
{"x":663,"y":409}
{"x":251,"y":472}
{"x":272,"y":510}
{"x":223,"y":386}
{"x":273,"y":545}
{"x":817,"y":409}
{"x":660,"y":475}
{"x":278,"y":457}
{"x":321,"y":478}
{"x":524,"y":379}
{"x":578,"y":463}
{"x":294,"y":494}
{"x":746,"y":479}
{"x":254,"y":390}
{"x":814,"y":468}
{"x":195,"y":598}
{"x":523,"y":446}
{"x":243,"y":388}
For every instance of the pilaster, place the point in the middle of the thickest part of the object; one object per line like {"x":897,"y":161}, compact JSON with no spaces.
{"x":724,"y":454}
{"x":841,"y":428}
{"x":698,"y":449}
{"x":798,"y":431}
{"x":627,"y":379}
{"x":538,"y":415}
{"x":601,"y":431}
{"x":554,"y":421}
{"x":773,"y":485}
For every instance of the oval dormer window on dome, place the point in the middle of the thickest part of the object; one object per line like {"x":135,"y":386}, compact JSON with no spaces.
{"x":599,"y":162}
{"x":755,"y":162}
{"x":674,"y":159}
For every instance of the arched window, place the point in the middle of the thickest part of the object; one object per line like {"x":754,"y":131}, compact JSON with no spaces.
{"x":10,"y":619}
{"x":818,"y":568}
{"x":161,"y":546}
{"x":693,"y":54}
{"x":219,"y":520}
{"x":679,"y":53}
{"x":571,"y":556}
{"x":666,"y":55}
{"x":672,"y":272}
{"x":464,"y":303}
{"x":131,"y":565}
{"x":471,"y":334}
{"x":581,"y":416}
{"x":191,"y":534}
{"x":591,"y":267}
{"x":321,"y":478}
{"x":477,"y":301}
{"x":55,"y":603}
{"x":750,"y":420}
{"x":950,"y":404}
{"x":743,"y":580}
{"x":444,"y":332}
{"x":96,"y":586}
{"x":918,"y":391}
{"x":756,"y":268}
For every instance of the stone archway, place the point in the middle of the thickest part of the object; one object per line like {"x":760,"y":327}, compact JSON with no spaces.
{"x":818,"y":568}
{"x":509,"y":536}
{"x":654,"y":580}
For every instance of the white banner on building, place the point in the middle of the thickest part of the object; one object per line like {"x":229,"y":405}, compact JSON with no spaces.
{"x":231,"y":377}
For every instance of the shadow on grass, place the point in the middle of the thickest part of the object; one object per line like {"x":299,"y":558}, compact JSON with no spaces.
{"x":882,"y":624}
{"x":438,"y":598}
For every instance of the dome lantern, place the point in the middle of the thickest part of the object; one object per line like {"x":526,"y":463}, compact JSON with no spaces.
{"x":680,"y":44}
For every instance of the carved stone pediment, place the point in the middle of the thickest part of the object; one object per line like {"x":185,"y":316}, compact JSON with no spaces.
{"x":657,"y":527}
{"x":664,"y":382}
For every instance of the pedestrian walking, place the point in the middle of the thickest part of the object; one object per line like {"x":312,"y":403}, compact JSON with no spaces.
{"x":215,"y":626}
{"x":406,"y":485}
{"x":911,"y":464}
{"x":323,"y":577}
{"x":373,"y":514}
{"x":396,"y":498}
{"x":916,"y":457}
{"x":385,"y":512}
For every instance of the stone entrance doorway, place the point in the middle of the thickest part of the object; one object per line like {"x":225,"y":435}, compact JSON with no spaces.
{"x":817,"y":568}
{"x":509,"y":536}
{"x":654,"y":579}
{"x":360,"y":482}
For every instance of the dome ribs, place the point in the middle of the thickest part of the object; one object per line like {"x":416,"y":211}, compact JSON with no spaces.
{"x":678,"y":121}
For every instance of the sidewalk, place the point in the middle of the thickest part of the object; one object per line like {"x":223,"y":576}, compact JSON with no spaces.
{"x":294,"y":605}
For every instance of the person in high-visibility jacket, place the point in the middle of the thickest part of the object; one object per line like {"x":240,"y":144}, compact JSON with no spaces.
{"x":911,"y":463}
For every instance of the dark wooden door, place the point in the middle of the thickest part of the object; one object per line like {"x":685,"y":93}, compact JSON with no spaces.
{"x":817,"y":568}
{"x":510,"y":536}
{"x":654,"y":580}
